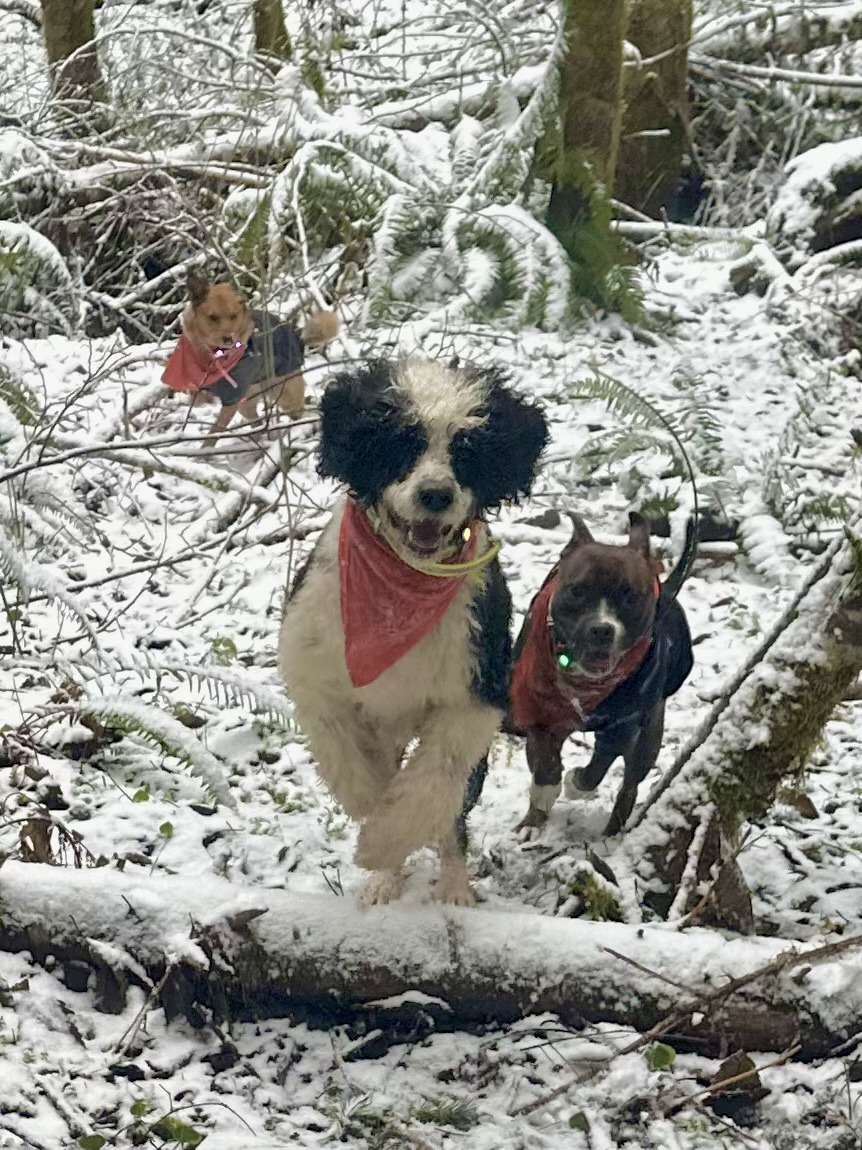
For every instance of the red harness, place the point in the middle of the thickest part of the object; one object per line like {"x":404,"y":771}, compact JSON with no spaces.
{"x":186,"y":371}
{"x":540,"y":695}
{"x":387,"y":607}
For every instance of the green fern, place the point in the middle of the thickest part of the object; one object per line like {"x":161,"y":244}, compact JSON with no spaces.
{"x":825,"y":507}
{"x":18,"y":397}
{"x":624,"y":401}
{"x":698,"y":418}
{"x":33,"y":578}
{"x":230,"y":688}
{"x":163,"y":731}
{"x":603,"y":274}
{"x":459,"y":1113}
{"x":227,"y":687}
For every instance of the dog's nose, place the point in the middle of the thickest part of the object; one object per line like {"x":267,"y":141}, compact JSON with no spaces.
{"x":601,"y":634}
{"x":435,"y":498}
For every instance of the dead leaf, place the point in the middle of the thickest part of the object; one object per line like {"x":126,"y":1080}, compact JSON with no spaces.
{"x":799,"y":801}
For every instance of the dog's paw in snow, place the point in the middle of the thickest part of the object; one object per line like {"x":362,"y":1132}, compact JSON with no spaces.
{"x":453,"y":888}
{"x":383,"y":887}
{"x":531,"y":826}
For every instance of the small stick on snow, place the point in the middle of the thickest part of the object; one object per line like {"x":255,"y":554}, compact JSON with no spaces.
{"x":128,"y":1037}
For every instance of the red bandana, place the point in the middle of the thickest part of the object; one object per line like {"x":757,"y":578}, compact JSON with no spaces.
{"x":185,"y":371}
{"x":537,"y":698}
{"x":387,"y":607}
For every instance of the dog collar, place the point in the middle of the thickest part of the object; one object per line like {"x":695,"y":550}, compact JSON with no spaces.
{"x":439,"y":569}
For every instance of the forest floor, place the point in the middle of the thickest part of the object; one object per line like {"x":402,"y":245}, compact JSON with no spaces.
{"x":276,"y":1082}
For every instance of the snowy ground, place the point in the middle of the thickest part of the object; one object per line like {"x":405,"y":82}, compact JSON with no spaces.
{"x":277,"y":1083}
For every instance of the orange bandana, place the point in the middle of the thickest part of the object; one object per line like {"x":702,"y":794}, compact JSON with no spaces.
{"x":185,"y":371}
{"x":539,"y":697}
{"x":387,"y":607}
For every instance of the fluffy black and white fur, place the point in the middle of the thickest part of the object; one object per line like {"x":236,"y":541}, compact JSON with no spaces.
{"x":429,"y":448}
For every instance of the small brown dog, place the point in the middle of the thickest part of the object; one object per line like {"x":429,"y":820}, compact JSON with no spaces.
{"x":239,"y":357}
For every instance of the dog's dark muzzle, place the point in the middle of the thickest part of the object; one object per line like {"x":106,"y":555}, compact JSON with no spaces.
{"x":588,"y":644}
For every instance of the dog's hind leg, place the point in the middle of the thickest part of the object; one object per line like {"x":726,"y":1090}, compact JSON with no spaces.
{"x":546,"y":767}
{"x":640,"y":760}
{"x":290,"y":397}
{"x":453,"y":885}
{"x":224,"y":417}
{"x":425,"y":797}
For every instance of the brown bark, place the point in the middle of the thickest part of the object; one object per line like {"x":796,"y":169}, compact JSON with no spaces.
{"x":68,"y":27}
{"x":320,"y":958}
{"x":656,"y":101}
{"x":270,"y":32}
{"x":584,"y":150}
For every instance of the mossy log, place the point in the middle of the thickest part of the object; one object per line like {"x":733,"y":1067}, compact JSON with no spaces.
{"x":655,"y":120}
{"x":208,"y":949}
{"x":759,"y":734}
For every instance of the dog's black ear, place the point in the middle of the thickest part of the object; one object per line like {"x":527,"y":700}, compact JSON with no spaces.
{"x":197,"y":285}
{"x":367,"y":440}
{"x":580,"y":534}
{"x":498,"y":459}
{"x":639,"y":533}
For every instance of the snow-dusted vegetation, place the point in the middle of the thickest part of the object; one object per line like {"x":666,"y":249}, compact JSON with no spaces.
{"x":180,"y":953}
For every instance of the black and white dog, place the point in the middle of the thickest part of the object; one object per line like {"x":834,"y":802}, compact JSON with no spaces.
{"x":395,"y":644}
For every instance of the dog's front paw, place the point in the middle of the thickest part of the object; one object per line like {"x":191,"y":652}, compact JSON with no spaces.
{"x":531,"y":825}
{"x":574,"y":787}
{"x":453,"y":887}
{"x":383,"y":887}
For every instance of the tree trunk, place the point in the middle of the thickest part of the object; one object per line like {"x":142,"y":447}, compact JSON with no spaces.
{"x":69,"y":30}
{"x":584,"y":152}
{"x":270,"y":33}
{"x":246,"y":952}
{"x":757,"y":735}
{"x":656,"y":101}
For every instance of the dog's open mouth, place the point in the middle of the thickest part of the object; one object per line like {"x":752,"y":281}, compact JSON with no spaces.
{"x":423,"y":537}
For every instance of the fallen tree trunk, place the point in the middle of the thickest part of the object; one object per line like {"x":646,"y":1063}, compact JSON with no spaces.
{"x":408,"y":969}
{"x":759,"y":733}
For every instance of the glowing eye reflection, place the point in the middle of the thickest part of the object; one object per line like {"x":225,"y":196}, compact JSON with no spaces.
{"x":465,"y":534}
{"x":564,"y":660}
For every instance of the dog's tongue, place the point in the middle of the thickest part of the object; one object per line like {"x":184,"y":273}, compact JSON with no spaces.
{"x":425,"y":534}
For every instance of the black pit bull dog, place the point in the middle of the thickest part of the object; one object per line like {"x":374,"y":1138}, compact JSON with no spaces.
{"x":602,"y":647}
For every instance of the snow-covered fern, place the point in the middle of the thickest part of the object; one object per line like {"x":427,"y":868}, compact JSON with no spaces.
{"x":155,"y":726}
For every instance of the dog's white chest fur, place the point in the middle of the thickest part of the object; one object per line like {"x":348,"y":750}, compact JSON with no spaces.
{"x":436,"y":672}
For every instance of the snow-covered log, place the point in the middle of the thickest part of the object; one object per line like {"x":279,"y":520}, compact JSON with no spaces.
{"x":771,"y":31}
{"x":759,"y":732}
{"x":817,"y":206}
{"x":203,"y":943}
